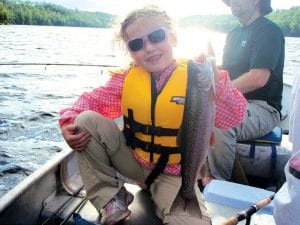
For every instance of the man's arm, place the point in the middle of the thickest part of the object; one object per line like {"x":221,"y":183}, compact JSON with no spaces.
{"x":252,"y":80}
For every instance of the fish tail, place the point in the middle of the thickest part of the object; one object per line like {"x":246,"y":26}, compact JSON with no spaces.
{"x":190,"y":206}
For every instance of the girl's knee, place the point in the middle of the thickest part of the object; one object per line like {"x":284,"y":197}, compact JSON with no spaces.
{"x":88,"y":119}
{"x":85,"y":116}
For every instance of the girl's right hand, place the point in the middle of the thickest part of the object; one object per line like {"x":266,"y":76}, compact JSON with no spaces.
{"x":211,"y":57}
{"x":75,"y":139}
{"x":202,"y":58}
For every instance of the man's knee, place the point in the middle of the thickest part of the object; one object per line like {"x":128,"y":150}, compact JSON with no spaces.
{"x":223,"y":135}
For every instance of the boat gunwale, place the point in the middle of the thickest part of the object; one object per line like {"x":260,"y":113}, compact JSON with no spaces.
{"x":20,"y":188}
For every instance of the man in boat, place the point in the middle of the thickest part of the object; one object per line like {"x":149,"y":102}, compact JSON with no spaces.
{"x":254,"y":57}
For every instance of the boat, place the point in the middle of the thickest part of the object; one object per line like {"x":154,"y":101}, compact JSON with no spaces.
{"x":55,"y":193}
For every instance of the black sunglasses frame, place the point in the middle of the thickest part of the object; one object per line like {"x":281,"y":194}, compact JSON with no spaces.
{"x":154,"y":37}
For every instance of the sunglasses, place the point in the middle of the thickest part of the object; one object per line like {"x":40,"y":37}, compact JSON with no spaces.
{"x":154,"y":37}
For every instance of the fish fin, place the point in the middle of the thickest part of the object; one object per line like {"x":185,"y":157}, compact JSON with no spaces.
{"x":203,"y":171}
{"x":193,"y":208}
{"x":178,"y":204}
{"x":189,"y":206}
{"x":210,"y":49}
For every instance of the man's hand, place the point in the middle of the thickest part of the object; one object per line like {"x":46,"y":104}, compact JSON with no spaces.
{"x":75,"y":139}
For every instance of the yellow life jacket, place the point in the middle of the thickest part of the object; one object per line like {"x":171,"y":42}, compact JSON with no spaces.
{"x":151,"y":121}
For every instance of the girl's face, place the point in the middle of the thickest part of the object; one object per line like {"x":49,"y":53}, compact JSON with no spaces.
{"x":153,"y":57}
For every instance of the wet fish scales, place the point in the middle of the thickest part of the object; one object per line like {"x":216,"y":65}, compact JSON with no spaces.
{"x":197,"y":127}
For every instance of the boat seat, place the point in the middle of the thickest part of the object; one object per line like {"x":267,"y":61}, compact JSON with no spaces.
{"x":273,"y":137}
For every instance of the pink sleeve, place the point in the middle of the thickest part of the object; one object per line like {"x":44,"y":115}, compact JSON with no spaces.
{"x":230,"y":104}
{"x":105,"y":100}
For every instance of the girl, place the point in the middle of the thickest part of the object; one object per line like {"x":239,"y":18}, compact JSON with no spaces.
{"x":149,"y":95}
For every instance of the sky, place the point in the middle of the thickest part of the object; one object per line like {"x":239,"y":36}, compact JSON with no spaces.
{"x":176,"y":8}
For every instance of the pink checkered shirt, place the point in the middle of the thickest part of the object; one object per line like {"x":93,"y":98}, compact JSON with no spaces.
{"x":106,"y":100}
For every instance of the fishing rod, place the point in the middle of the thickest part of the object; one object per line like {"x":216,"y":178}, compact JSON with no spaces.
{"x":249,"y":212}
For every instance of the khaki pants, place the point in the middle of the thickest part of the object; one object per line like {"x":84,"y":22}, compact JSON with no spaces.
{"x":260,"y":119}
{"x":107,"y":154}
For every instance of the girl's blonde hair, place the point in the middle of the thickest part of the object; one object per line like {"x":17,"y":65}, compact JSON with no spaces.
{"x":146,"y":12}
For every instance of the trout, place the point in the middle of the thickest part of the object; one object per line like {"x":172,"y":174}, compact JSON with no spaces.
{"x":194,"y":136}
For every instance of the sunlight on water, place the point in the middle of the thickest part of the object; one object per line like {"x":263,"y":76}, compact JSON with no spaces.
{"x":192,"y":41}
{"x":292,"y":59}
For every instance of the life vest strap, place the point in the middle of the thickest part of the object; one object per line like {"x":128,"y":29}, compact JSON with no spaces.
{"x":154,"y":148}
{"x":159,"y":168}
{"x":149,"y":129}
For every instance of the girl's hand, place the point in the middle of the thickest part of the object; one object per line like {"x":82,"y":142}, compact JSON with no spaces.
{"x":210,"y":55}
{"x":75,"y":139}
{"x":202,"y":58}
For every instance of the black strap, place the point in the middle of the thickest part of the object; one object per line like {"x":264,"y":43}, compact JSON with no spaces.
{"x":128,"y":133}
{"x":273,"y":160}
{"x":154,"y":148}
{"x":273,"y":157}
{"x":159,"y":168}
{"x":153,"y":102}
{"x":149,"y":129}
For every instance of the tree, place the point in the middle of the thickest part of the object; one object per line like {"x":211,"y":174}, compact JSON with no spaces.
{"x":3,"y":14}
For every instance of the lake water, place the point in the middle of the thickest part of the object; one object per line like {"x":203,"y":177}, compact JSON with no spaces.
{"x":32,"y":96}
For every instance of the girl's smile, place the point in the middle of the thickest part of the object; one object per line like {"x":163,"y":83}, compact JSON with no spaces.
{"x":150,"y":44}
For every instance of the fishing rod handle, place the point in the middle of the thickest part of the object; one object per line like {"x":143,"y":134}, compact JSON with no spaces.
{"x":231,"y":221}
{"x":263,"y":203}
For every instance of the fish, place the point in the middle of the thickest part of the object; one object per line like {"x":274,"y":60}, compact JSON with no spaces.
{"x":195,"y":134}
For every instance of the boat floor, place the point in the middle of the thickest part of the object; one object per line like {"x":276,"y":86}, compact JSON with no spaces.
{"x":142,"y":212}
{"x":142,"y":209}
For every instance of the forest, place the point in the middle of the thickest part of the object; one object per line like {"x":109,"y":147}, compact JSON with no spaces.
{"x":288,"y":20}
{"x":29,"y":13}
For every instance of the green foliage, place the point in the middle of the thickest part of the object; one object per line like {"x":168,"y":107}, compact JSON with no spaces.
{"x":288,"y":20}
{"x":222,"y":23}
{"x":20,"y":12}
{"x":28,"y":13}
{"x":3,"y":13}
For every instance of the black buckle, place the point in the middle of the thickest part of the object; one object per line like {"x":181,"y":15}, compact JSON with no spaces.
{"x":152,"y":130}
{"x":154,"y":148}
{"x":147,"y":146}
{"x":147,"y":131}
